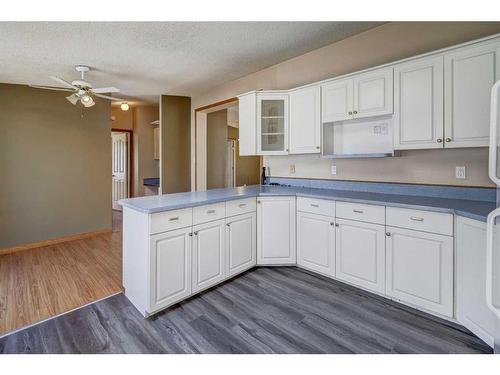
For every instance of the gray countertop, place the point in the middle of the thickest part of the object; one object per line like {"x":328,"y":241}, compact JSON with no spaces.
{"x":472,"y":209}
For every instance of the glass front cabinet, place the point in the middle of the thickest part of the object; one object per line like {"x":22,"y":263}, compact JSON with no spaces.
{"x":272,"y":124}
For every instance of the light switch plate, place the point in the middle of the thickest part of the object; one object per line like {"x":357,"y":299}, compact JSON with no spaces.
{"x":460,"y":173}
{"x":334,"y":170}
{"x":292,"y":168}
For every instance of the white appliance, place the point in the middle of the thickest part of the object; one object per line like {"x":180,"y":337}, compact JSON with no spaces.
{"x":493,"y":223}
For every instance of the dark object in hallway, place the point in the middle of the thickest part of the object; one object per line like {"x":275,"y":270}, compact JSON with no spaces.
{"x":266,"y":310}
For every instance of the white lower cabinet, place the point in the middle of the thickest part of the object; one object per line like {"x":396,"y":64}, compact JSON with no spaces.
{"x":419,"y":269}
{"x":208,"y":254}
{"x":360,"y":254}
{"x":316,"y":243}
{"x":170,"y":268}
{"x":276,"y":230}
{"x":472,"y":310}
{"x":241,"y":238}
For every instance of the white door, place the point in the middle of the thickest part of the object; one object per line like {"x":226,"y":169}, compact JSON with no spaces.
{"x":337,"y":101}
{"x":208,"y":254}
{"x":305,"y":120}
{"x":276,"y":230}
{"x":419,"y":269}
{"x":272,"y":124}
{"x":373,"y":93}
{"x":472,"y":308}
{"x":241,"y":243}
{"x":119,"y":165}
{"x":316,"y":243}
{"x":470,"y":73}
{"x":418,"y":104}
{"x":360,"y":254}
{"x":170,"y":267}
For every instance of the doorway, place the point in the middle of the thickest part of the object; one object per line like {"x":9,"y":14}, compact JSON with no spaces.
{"x":120,"y":167}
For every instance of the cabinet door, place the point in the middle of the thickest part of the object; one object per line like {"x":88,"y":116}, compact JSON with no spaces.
{"x":208,"y":254}
{"x":170,"y":268}
{"x":472,"y":309}
{"x":419,"y":269}
{"x":373,"y":93}
{"x":316,"y":243}
{"x":272,"y":124}
{"x":418,"y":101}
{"x":360,"y":254}
{"x":241,"y":243}
{"x":276,"y":230}
{"x":305,"y":120}
{"x":247,"y":122}
{"x":337,"y":97}
{"x":470,"y":73}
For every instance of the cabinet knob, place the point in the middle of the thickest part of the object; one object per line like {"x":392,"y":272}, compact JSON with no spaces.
{"x":195,"y":233}
{"x":350,"y":113}
{"x":258,"y":202}
{"x":355,"y":112}
{"x":190,"y":234}
{"x":332,"y":224}
{"x":388,"y":234}
{"x":448,"y":139}
{"x":336,"y":224}
{"x":317,"y":147}
{"x":228,"y":225}
{"x":439,"y":140}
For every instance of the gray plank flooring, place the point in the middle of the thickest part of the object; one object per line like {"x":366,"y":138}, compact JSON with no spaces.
{"x":265,"y":310}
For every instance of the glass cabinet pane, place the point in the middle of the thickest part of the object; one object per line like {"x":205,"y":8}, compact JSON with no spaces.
{"x":272,"y":124}
{"x":273,"y":142}
{"x":273,"y":108}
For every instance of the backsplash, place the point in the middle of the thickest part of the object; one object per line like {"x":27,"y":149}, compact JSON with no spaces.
{"x":451,"y":192}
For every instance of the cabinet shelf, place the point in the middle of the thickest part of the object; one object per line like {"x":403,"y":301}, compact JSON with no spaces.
{"x":273,"y":133}
{"x":264,"y":117}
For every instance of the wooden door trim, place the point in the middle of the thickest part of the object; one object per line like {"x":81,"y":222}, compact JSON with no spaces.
{"x":131,"y":158}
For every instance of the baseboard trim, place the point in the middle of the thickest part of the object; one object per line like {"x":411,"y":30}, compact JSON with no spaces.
{"x":53,"y":241}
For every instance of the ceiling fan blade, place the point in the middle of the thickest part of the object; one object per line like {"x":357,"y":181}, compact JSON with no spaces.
{"x":104,"y":90}
{"x":73,"y":99}
{"x":63,"y":82}
{"x":50,"y":88}
{"x":110,"y":97}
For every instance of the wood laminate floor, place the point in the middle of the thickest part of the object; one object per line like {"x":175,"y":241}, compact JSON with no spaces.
{"x":265,"y":310}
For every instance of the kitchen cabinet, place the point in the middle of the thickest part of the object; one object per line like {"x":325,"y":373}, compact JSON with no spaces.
{"x":170,"y":268}
{"x":418,"y":104}
{"x":360,"y":254}
{"x":241,"y":243}
{"x":472,"y":310}
{"x":419,"y":269}
{"x":316,"y":242}
{"x":276,"y":242}
{"x":305,"y":120}
{"x":363,"y":95}
{"x":247,"y":121}
{"x":156,"y":143}
{"x":208,"y":254}
{"x":470,"y":73}
{"x":272,"y":124}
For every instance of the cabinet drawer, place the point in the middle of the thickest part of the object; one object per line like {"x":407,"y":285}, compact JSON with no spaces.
{"x":169,"y":220}
{"x":210,"y":212}
{"x":362,"y":212}
{"x":241,"y":206}
{"x":316,"y":206}
{"x":426,"y":221}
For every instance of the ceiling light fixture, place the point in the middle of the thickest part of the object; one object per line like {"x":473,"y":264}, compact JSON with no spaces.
{"x":87,"y":101}
{"x":124,"y":106}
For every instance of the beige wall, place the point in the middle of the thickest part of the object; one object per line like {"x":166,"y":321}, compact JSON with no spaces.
{"x":175,"y":143}
{"x":55,"y":167}
{"x":383,"y":44}
{"x":216,"y":149}
{"x":145,"y":165}
{"x":122,"y":119}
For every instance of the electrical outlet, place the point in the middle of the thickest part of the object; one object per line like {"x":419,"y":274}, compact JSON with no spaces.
{"x":334,"y":170}
{"x":292,"y":168}
{"x":460,"y":173}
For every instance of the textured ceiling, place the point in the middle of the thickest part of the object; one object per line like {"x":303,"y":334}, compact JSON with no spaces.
{"x":145,"y":59}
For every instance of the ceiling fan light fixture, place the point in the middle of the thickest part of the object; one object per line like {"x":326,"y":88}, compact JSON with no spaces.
{"x":73,"y":99}
{"x":124,"y":106}
{"x":87,"y":101}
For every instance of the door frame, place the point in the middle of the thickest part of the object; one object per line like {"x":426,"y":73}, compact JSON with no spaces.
{"x":130,"y":157}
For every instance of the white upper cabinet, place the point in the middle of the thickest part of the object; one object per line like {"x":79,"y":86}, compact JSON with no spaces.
{"x":373,"y":93}
{"x":418,"y":104}
{"x":337,"y":100}
{"x":272,"y":124}
{"x":470,"y":73}
{"x":247,"y":119}
{"x":305,"y":120}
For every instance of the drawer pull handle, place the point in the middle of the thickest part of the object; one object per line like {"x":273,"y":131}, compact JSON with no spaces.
{"x":241,"y":205}
{"x":174,"y":218}
{"x":357,"y":211}
{"x":314,"y":205}
{"x":211,"y":212}
{"x":417,"y":218}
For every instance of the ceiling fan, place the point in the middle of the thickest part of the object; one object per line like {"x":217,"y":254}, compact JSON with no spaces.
{"x":81,"y":89}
